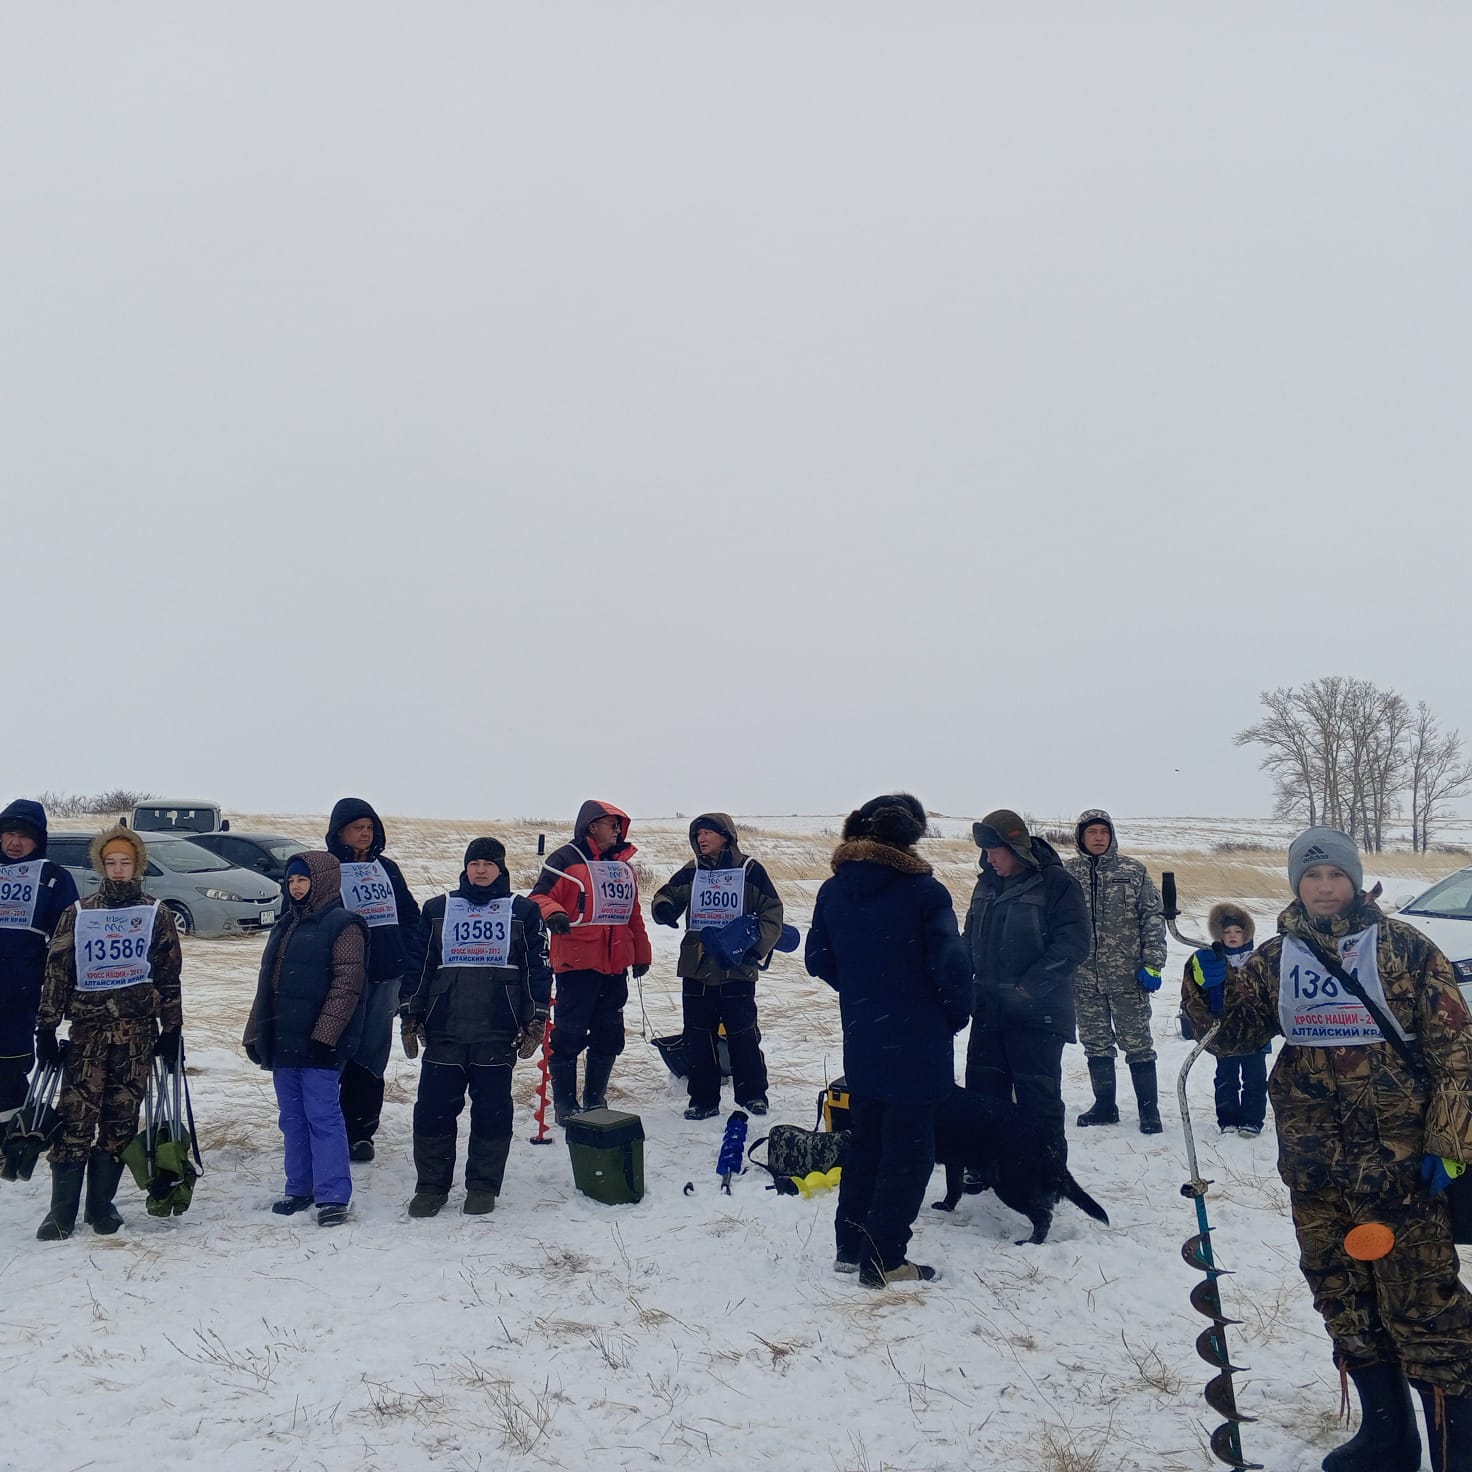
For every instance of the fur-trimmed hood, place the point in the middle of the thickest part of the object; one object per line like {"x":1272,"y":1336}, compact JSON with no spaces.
{"x":1226,"y":914}
{"x":871,"y":851}
{"x":140,"y":850}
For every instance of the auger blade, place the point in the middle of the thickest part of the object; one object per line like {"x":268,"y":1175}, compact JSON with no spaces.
{"x":1211,"y":1345}
{"x":1222,"y":1399}
{"x":1206,"y":1299}
{"x":1197,"y":1252}
{"x":1226,"y":1446}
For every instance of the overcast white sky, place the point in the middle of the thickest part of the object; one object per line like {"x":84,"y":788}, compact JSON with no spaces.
{"x":481,"y":406}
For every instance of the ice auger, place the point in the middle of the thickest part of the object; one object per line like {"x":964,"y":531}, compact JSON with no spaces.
{"x":1206,"y":1298}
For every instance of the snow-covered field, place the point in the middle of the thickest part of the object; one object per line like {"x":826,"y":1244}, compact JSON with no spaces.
{"x":691,"y":1330}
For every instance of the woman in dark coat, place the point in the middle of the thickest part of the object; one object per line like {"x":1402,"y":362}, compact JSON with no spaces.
{"x":884,"y":937}
{"x":303,"y":1025}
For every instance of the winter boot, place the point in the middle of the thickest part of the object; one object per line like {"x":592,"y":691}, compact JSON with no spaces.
{"x":479,"y":1203}
{"x":1105,"y":1110}
{"x":434,"y":1170}
{"x":104,"y":1171}
{"x":872,"y":1276}
{"x":66,"y":1197}
{"x":1448,"y":1428}
{"x":598,"y":1070}
{"x":485,"y":1171}
{"x":563,"y":1075}
{"x":1387,"y":1440}
{"x":1147,"y":1097}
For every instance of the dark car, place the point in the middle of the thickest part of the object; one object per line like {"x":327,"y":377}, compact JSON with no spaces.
{"x":261,"y":853}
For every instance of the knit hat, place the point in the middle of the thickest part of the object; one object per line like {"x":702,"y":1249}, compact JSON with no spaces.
{"x":296,"y":864}
{"x":1005,"y":829}
{"x":896,"y":819}
{"x":488,"y":850}
{"x":1324,"y":846}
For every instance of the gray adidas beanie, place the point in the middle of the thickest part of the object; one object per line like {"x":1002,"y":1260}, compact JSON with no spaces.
{"x":1324,"y":846}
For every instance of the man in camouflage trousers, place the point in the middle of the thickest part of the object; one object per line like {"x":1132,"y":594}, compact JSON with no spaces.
{"x":116,"y":1007}
{"x":1365,"y":1135}
{"x":1112,"y":987}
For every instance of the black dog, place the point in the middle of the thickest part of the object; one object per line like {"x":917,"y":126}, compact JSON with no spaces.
{"x":1014,"y":1155}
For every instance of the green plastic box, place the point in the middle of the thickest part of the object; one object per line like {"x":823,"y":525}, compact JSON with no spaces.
{"x":607,"y":1151}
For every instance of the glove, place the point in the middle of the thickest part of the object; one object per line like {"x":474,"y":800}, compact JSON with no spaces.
{"x":410,"y":1035}
{"x":641,"y":968}
{"x":169,"y":1045}
{"x":531,"y":1036}
{"x":323,"y":1056}
{"x":665,"y":915}
{"x":1437,"y":1172}
{"x":558,"y":923}
{"x":253,"y":1053}
{"x":1149,"y":978}
{"x":48,"y":1050}
{"x":1210,"y":973}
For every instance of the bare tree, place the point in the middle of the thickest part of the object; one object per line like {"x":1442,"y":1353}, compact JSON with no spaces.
{"x":1288,"y":756}
{"x":1438,"y":771}
{"x":1389,"y":733}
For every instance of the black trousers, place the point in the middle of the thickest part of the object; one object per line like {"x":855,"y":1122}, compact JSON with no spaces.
{"x":706,"y":1008}
{"x":589,"y":1013}
{"x":1021,"y":1064}
{"x":890,"y":1156}
{"x":1242,"y":1090}
{"x":450,"y":1072}
{"x":361,"y":1095}
{"x":15,"y":1080}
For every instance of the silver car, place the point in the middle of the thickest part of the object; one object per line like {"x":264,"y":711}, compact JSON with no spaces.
{"x":1444,"y":912}
{"x":205,"y":894}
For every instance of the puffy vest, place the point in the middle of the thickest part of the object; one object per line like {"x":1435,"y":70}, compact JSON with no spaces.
{"x":306,"y":976}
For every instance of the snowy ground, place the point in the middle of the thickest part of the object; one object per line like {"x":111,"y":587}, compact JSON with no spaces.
{"x":696,"y":1330}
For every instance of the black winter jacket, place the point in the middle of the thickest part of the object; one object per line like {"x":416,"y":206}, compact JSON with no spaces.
{"x":387,"y":953}
{"x":1027,"y":935}
{"x":23,"y":951}
{"x":478,"y":1004}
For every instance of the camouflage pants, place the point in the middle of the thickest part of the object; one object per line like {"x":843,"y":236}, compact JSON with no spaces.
{"x":1111,"y":1012}
{"x":106,"y":1072}
{"x":1409,"y":1306}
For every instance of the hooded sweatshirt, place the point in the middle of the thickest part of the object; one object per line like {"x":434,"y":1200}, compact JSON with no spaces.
{"x":759,"y":899}
{"x":565,"y":885}
{"x":119,"y":1010}
{"x":387,"y":958}
{"x":312,"y":975}
{"x":1126,"y":922}
{"x":34,"y":892}
{"x":479,"y":1004}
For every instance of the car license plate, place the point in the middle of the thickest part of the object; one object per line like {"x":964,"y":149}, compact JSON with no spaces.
{"x":268,"y":917}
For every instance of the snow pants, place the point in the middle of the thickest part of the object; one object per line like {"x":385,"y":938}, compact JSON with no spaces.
{"x":15,"y":1081}
{"x":1408,"y":1306}
{"x":361,"y":1087}
{"x":589,"y":1013}
{"x":313,"y":1132}
{"x":1023,"y":1065}
{"x":102,"y":1088}
{"x":1242,"y":1090}
{"x":483,"y":1070}
{"x":891,"y":1154}
{"x":706,"y":1008}
{"x":1113,"y":1011}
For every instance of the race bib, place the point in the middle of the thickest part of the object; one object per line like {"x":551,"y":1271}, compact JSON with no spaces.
{"x":717,"y":897}
{"x":1315,"y":1010}
{"x":112,"y":947}
{"x":612,"y":892}
{"x":476,"y":935}
{"x":366,"y":891}
{"x":20,"y":888}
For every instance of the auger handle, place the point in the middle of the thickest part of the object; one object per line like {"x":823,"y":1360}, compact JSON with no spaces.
{"x":1171,"y":911}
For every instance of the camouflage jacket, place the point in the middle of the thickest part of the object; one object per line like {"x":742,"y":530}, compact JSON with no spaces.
{"x":1128,"y":926}
{"x":1357,"y":1118}
{"x":98,"y":1010}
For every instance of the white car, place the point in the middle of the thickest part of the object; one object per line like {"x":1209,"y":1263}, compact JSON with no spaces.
{"x":1444,"y":912}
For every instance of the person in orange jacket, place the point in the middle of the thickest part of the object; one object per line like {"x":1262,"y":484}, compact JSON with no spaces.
{"x":588,"y":894}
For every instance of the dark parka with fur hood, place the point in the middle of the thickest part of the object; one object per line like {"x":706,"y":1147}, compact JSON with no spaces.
{"x":884,"y":938}
{"x":761,"y":900}
{"x":23,"y":948}
{"x":387,"y":956}
{"x":1026,"y":935}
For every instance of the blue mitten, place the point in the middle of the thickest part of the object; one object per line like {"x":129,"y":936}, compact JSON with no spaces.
{"x":1437,"y":1172}
{"x":1210,"y":973}
{"x":1149,"y":978}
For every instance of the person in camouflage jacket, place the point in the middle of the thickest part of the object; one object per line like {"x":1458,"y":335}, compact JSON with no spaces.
{"x":1112,"y":985}
{"x":116,"y":1028}
{"x":1362,"y":1138}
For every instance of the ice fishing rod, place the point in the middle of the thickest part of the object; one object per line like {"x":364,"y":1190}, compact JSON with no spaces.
{"x":1206,"y":1298}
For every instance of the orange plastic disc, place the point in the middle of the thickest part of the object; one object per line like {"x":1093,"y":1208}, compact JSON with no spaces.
{"x":1369,"y":1241}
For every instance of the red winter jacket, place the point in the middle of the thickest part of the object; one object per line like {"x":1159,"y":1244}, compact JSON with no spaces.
{"x":610,"y":949}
